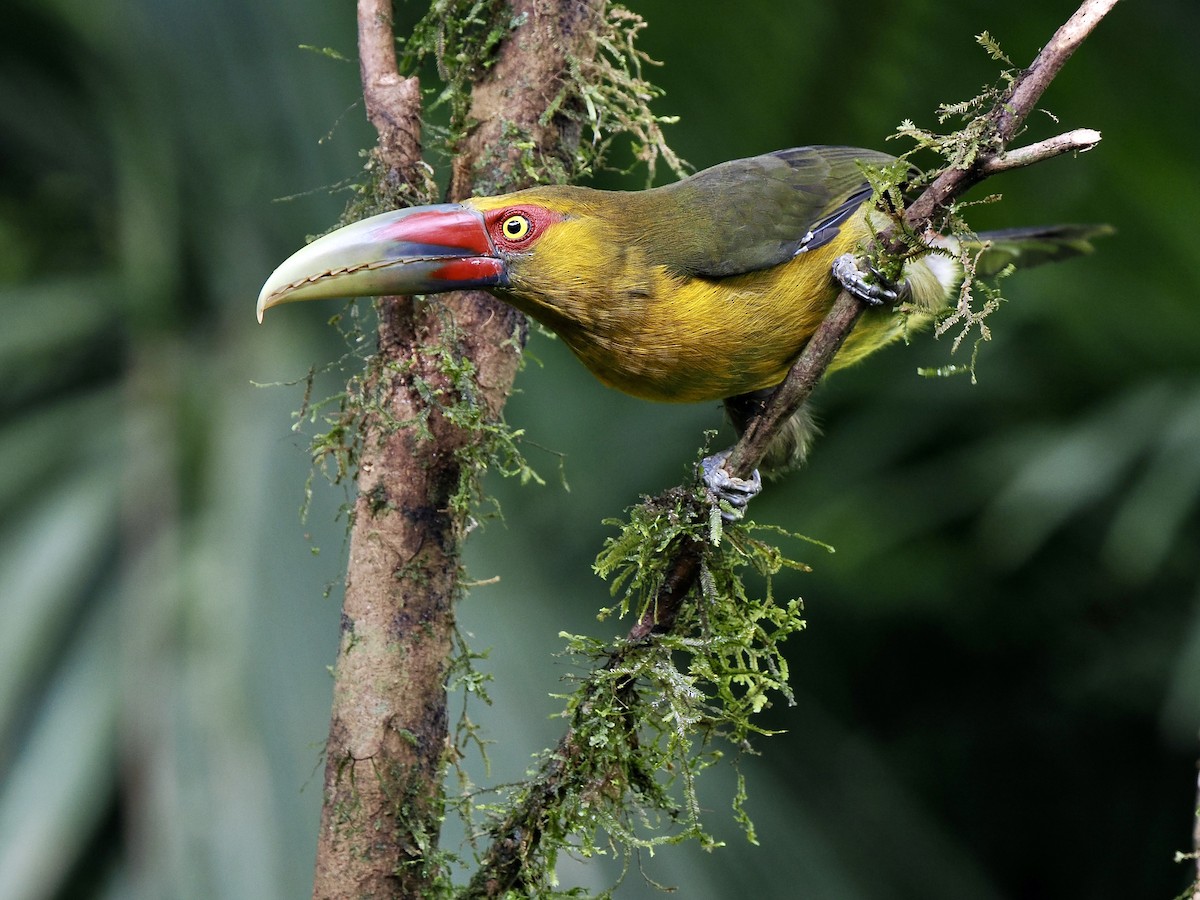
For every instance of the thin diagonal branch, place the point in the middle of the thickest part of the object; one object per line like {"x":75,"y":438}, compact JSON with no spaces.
{"x":1007,"y":117}
{"x":1078,"y":141}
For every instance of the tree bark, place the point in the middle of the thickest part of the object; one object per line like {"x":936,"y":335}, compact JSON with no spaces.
{"x":386,"y":755}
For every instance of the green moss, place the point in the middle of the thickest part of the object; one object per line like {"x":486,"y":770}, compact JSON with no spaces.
{"x":461,"y":37}
{"x":654,"y":713}
{"x":610,"y":97}
{"x":961,"y":148}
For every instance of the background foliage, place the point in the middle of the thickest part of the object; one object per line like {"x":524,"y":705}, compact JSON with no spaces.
{"x":998,"y":692}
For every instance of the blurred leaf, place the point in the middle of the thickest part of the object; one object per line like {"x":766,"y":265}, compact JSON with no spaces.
{"x":1155,"y":508}
{"x":63,"y":543}
{"x":62,"y":782}
{"x":1068,"y":468}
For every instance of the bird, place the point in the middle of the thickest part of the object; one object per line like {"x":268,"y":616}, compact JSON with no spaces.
{"x":705,"y":289}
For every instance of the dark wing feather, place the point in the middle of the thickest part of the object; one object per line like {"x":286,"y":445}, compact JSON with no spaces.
{"x":755,"y":213}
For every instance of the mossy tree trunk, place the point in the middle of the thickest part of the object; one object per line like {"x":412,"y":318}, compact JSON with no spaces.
{"x":388,"y":739}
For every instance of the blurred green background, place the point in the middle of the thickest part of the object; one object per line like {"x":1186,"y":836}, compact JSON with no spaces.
{"x":999,"y":689}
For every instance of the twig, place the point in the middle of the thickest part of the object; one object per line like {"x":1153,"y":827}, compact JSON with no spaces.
{"x":1028,"y":89}
{"x":1078,"y":141}
{"x":393,"y":103}
{"x":1011,"y":112}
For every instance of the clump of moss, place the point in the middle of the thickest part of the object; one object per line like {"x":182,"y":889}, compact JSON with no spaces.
{"x":461,"y":37}
{"x":957,"y":149}
{"x":654,"y":712}
{"x":612,"y":98}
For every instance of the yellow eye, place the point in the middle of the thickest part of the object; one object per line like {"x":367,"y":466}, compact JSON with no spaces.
{"x":516,"y":227}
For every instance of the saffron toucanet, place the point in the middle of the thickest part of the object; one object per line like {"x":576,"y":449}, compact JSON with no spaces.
{"x":705,"y":289}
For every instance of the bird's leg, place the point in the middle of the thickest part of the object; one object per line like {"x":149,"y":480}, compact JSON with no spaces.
{"x":737,"y":492}
{"x":786,"y":451}
{"x":790,"y":445}
{"x":871,"y":287}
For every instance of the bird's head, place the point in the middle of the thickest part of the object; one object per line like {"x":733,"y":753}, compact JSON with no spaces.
{"x":531,"y":247}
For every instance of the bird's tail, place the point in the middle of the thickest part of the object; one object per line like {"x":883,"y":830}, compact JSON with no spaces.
{"x":934,"y":280}
{"x":1025,"y":247}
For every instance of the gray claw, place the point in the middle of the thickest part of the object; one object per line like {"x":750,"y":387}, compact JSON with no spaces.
{"x":854,"y":280}
{"x":737,"y":492}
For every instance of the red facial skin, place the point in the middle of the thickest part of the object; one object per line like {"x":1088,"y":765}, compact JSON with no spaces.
{"x":462,"y":231}
{"x":539,"y":219}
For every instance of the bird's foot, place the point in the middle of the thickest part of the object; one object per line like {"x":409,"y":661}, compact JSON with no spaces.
{"x":871,"y":287}
{"x":735,"y":492}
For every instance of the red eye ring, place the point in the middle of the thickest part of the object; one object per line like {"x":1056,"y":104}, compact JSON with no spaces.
{"x":516,"y":227}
